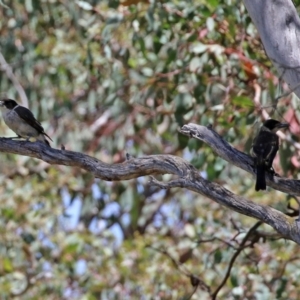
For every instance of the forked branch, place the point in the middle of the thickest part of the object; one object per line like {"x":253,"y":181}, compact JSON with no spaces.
{"x":188,"y":176}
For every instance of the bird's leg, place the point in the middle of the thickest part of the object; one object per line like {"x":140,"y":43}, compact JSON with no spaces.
{"x":276,"y":174}
{"x":30,"y":138}
{"x":272,"y":171}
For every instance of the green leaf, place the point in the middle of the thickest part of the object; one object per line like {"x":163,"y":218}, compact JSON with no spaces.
{"x":234,"y":280}
{"x":7,"y":264}
{"x":242,"y":101}
{"x":282,"y":287}
{"x":218,"y":256}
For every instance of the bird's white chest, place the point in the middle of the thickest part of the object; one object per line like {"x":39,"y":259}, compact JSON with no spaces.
{"x":16,"y":124}
{"x":11,"y":118}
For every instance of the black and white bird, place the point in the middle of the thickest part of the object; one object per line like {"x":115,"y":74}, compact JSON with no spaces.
{"x":264,"y":149}
{"x":21,"y":120}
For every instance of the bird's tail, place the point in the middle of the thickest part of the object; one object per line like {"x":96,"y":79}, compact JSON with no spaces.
{"x":47,"y":143}
{"x":42,"y":138}
{"x":260,"y":178}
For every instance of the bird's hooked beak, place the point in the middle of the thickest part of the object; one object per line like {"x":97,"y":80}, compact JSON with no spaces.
{"x":1,"y":103}
{"x":283,"y":125}
{"x":280,"y":126}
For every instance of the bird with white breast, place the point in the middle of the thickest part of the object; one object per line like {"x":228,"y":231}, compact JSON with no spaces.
{"x":22,"y":121}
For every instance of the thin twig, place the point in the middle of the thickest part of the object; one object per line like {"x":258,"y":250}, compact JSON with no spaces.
{"x":234,"y":257}
{"x":9,"y":73}
{"x":195,"y":281}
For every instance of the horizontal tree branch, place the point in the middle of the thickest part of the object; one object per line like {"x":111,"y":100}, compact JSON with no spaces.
{"x":131,"y":168}
{"x":188,"y":176}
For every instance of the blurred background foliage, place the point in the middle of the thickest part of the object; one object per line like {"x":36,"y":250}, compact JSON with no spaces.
{"x":110,"y":77}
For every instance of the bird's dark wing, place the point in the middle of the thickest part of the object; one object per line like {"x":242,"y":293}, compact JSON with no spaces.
{"x":274,"y":148}
{"x":25,"y":114}
{"x":265,"y":147}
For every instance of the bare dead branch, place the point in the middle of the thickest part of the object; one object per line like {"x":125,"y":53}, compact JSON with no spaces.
{"x":132,"y":168}
{"x":188,"y":176}
{"x":238,"y":158}
{"x":283,"y":224}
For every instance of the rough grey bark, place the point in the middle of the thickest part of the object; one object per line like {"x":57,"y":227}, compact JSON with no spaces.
{"x":187,"y":176}
{"x":278,"y":25}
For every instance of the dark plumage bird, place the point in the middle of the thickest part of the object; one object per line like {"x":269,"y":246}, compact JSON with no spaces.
{"x":264,"y":149}
{"x":21,"y":120}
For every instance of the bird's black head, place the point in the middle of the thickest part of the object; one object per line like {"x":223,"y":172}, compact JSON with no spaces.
{"x":275,"y":125}
{"x":8,"y":103}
